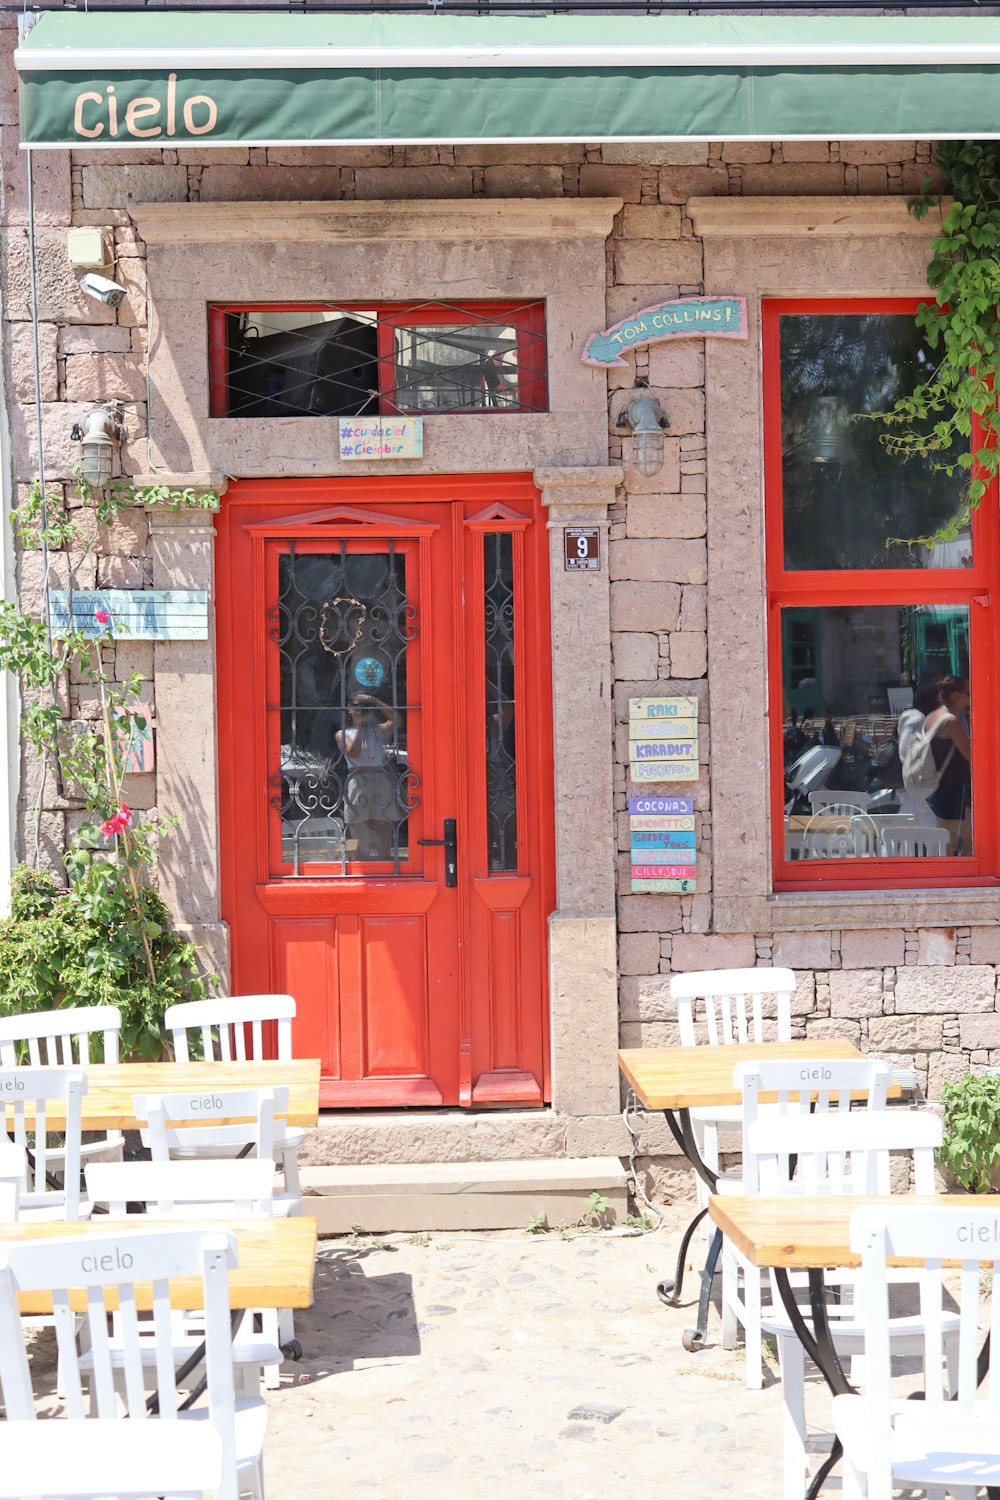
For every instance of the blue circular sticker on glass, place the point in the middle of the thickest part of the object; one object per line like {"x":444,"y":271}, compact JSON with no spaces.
{"x":369,"y":671}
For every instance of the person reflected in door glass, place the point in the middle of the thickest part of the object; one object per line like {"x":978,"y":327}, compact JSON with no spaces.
{"x":371,"y":806}
{"x":951,"y":804}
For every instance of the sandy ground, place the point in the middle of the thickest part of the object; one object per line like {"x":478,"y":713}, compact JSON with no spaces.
{"x":515,"y":1365}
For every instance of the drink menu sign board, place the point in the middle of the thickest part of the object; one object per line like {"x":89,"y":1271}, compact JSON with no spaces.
{"x":663,"y":747}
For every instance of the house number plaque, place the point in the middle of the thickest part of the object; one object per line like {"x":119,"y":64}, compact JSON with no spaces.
{"x":582,"y":549}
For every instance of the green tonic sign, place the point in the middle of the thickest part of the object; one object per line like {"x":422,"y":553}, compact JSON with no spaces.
{"x":687,"y":318}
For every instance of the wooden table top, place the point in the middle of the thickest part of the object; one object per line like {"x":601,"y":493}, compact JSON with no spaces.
{"x":800,"y":1233}
{"x":276,"y":1258}
{"x":107,"y":1104}
{"x":689,"y":1077}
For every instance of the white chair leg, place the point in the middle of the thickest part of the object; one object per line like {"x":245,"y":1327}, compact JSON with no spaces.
{"x":852,"y":1485}
{"x":730,"y":1315}
{"x":793,"y":1395}
{"x":751,"y":1327}
{"x":270,"y":1322}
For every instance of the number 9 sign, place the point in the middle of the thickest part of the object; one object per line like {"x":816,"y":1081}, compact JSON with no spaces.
{"x":581,"y":549}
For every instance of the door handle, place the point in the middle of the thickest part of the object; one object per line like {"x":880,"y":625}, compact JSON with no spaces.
{"x":450,"y":845}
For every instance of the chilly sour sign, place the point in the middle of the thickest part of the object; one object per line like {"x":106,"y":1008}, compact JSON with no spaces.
{"x":686,"y":318}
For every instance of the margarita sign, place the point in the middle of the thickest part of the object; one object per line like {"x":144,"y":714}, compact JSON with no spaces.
{"x":685,"y":318}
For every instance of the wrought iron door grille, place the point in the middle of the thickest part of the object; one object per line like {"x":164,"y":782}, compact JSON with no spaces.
{"x":323,"y":359}
{"x":501,"y":764}
{"x":343,"y":786}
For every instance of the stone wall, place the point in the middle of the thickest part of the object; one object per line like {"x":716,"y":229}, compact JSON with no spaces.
{"x":925,"y":997}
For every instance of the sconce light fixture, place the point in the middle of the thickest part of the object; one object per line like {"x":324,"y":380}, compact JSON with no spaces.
{"x":830,"y":437}
{"x":97,"y":435}
{"x":646,"y":420}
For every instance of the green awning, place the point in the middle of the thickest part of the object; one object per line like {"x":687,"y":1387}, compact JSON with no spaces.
{"x":115,"y":79}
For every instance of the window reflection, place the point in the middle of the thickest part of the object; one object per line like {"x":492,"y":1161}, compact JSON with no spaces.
{"x":877,"y":739}
{"x":344,"y":787}
{"x":844,"y":498}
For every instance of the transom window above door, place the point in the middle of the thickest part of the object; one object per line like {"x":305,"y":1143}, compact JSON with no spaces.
{"x":355,"y":359}
{"x":881,"y":588}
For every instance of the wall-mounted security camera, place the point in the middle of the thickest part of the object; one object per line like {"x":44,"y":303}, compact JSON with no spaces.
{"x":103,"y":289}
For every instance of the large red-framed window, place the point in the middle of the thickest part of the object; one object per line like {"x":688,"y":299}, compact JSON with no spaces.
{"x":862,"y":627}
{"x":368,"y":358}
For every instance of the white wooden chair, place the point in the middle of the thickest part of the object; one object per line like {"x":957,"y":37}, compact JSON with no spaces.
{"x":950,"y":1441}
{"x":219,"y":1028}
{"x":12,"y":1174}
{"x":211,"y":1452}
{"x":843,"y":1153}
{"x":67,"y":1038}
{"x":722,"y":1007}
{"x":193,"y":1190}
{"x":170,"y":1138}
{"x":920,"y":843}
{"x":52,"y":1178}
{"x":834,"y":803}
{"x":831,"y":1081}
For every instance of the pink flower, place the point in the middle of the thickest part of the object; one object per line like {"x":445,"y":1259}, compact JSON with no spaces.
{"x":102,"y":617}
{"x":118,"y":822}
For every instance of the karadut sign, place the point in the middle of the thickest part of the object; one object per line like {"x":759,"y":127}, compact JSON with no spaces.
{"x":685,"y":318}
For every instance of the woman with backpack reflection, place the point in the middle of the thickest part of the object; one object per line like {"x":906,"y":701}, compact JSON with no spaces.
{"x":947,"y":727}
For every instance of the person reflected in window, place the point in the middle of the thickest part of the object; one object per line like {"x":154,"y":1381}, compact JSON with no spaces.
{"x":951,"y":746}
{"x":371,"y":807}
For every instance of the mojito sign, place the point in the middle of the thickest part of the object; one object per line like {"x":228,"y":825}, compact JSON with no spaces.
{"x":685,"y":318}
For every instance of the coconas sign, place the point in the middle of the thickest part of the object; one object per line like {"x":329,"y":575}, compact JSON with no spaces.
{"x":686,"y":318}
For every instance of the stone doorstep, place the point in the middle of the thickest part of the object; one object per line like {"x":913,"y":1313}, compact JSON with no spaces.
{"x":460,"y":1195}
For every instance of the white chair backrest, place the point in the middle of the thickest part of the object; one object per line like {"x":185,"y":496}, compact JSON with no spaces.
{"x":61,"y":1038}
{"x":922,"y":843}
{"x":27,"y":1093}
{"x":837,"y":1152}
{"x":836,"y":803}
{"x":222,"y":1026}
{"x":192,"y":1189}
{"x":87,"y":1265}
{"x":969,"y":1238}
{"x":844,"y":842}
{"x":813,"y":1083}
{"x":883,"y":821}
{"x":206,"y":1118}
{"x":12,"y":1169}
{"x":733,"y":1004}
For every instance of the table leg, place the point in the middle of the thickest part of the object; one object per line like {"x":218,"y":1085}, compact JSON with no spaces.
{"x":670,"y":1291}
{"x":818,"y":1344}
{"x":693,"y":1339}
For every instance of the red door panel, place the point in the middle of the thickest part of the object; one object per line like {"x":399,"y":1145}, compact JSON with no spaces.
{"x":374,"y":682}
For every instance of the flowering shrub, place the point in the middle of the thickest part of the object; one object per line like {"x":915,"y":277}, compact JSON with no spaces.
{"x":106,"y":938}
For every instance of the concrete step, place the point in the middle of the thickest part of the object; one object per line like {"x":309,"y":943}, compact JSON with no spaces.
{"x":460,"y":1195}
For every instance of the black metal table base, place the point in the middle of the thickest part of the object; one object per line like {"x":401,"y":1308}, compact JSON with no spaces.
{"x":669,"y":1291}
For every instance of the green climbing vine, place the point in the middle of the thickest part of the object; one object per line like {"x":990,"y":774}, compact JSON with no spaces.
{"x":958,"y":400}
{"x":104,"y":937}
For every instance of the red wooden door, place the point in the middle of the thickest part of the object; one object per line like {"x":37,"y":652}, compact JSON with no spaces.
{"x":384,"y":683}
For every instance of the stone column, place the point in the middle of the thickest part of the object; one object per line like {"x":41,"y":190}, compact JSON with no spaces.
{"x":582,"y":955}
{"x":183,"y":548}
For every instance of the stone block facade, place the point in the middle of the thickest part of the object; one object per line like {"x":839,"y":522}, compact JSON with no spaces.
{"x":921,"y":994}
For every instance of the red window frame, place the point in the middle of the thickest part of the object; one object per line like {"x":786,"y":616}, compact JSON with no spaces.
{"x":527,"y":317}
{"x":973,"y":587}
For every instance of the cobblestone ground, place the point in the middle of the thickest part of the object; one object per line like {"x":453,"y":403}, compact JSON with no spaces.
{"x":515,"y":1365}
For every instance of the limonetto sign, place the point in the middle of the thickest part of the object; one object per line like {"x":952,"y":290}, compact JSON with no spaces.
{"x":685,"y":318}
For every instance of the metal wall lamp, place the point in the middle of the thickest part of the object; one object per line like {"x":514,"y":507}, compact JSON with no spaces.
{"x":97,"y":435}
{"x":646,"y":420}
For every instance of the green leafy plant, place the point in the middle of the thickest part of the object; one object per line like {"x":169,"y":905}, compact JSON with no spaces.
{"x":106,"y":938}
{"x":971,"y":1150}
{"x":600,"y":1211}
{"x":537,"y":1224}
{"x":957,"y":401}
